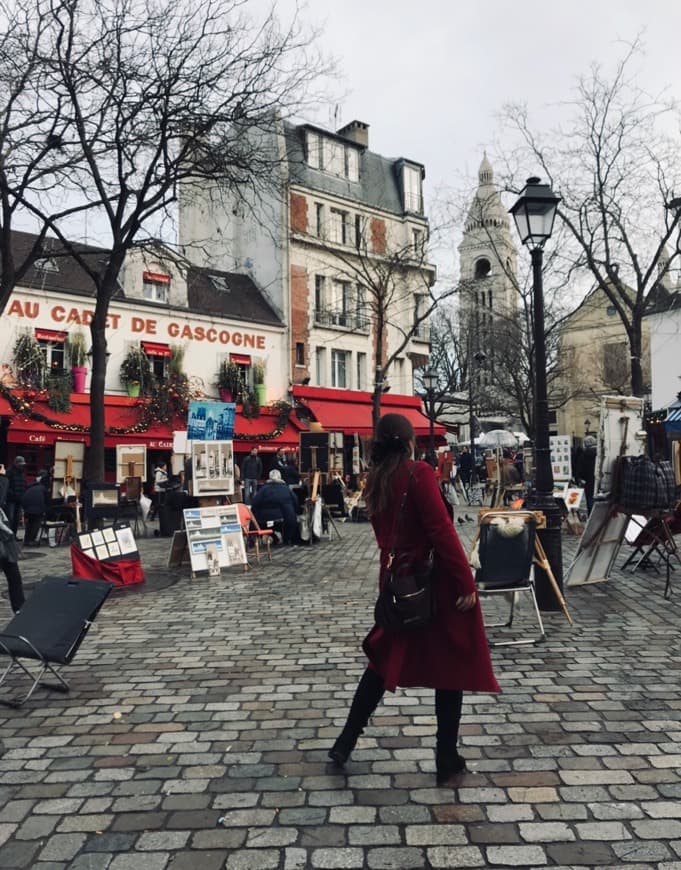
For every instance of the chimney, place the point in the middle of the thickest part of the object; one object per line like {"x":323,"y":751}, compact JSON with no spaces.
{"x":356,"y":131}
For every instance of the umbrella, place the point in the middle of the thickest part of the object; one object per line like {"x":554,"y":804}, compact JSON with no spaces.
{"x":497,"y":438}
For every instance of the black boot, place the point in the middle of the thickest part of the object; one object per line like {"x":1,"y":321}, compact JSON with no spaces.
{"x":367,"y":697}
{"x":448,"y":762}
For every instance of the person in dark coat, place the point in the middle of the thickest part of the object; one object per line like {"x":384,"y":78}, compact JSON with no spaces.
{"x":586,"y":470}
{"x":9,"y":558}
{"x":15,"y":492}
{"x":251,"y":472}
{"x":450,"y":654}
{"x":275,"y":501}
{"x":4,"y":486}
{"x":465,"y":464}
{"x":34,"y":504}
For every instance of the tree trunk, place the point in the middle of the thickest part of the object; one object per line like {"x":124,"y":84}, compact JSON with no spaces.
{"x":636,"y":345}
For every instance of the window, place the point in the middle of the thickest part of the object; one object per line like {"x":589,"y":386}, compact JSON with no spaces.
{"x":417,"y":241}
{"x":360,"y":239}
{"x":319,"y":220}
{"x":158,"y":356}
{"x":340,"y":303}
{"x":320,"y":366}
{"x":300,"y":353}
{"x":319,"y":293}
{"x":332,"y":155}
{"x":413,"y":200}
{"x":314,"y":150}
{"x":46,"y":264}
{"x":339,"y":361}
{"x":351,"y":164}
{"x":361,"y":371}
{"x":155,"y":286}
{"x":482,"y":268}
{"x":361,"y":308}
{"x":340,"y":227}
{"x":52,"y":347}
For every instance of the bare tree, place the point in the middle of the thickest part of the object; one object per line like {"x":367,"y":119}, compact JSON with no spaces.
{"x":156,"y":95}
{"x":390,"y":291}
{"x":616,"y":165}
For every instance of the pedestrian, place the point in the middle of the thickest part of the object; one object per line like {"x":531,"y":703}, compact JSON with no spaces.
{"x":251,"y":472}
{"x":450,"y":654}
{"x":160,"y":486}
{"x":465,"y":464}
{"x":4,"y":486}
{"x":586,"y":470}
{"x":34,"y":505}
{"x":9,"y":558}
{"x":275,"y":502}
{"x":15,"y":492}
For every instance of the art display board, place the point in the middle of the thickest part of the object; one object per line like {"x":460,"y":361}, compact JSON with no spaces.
{"x":131,"y":458}
{"x":109,"y":544}
{"x":598,"y":547}
{"x":211,"y":421}
{"x":561,"y":459}
{"x":573,"y":496}
{"x":620,"y":433}
{"x":68,"y":463}
{"x":214,"y":537}
{"x":212,"y":467}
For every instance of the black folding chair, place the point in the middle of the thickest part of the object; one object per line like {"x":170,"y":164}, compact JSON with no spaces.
{"x":50,"y":628}
{"x":506,"y":556}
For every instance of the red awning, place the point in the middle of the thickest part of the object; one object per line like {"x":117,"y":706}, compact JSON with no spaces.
{"x":49,"y":335}
{"x":241,"y":359}
{"x":154,"y":348}
{"x":349,"y":411}
{"x":248,"y":432}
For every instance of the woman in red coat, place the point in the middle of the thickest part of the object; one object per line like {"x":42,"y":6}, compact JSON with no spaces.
{"x":450,"y":654}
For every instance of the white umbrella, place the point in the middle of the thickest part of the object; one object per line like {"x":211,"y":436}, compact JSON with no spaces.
{"x":498,"y":438}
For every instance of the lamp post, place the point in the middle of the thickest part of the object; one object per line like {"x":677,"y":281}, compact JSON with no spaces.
{"x":430,"y":383}
{"x":534,"y":214}
{"x":478,"y":358}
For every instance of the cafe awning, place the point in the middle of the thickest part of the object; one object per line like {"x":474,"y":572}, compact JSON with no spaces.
{"x":265,"y":433}
{"x":349,"y":411}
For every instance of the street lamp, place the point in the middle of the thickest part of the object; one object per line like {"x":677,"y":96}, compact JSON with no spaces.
{"x":479,"y":358}
{"x":429,"y":379}
{"x":534,"y":214}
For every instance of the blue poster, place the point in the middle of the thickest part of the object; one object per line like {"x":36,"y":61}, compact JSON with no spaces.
{"x":211,"y":421}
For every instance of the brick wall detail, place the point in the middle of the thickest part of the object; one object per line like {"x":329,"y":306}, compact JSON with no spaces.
{"x":298,"y":213}
{"x":299,"y":319}
{"x":378,"y":236}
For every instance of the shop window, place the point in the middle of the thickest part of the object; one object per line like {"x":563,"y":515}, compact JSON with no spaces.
{"x":155,"y":286}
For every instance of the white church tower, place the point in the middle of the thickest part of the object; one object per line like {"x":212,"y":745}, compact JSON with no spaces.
{"x":487,"y":264}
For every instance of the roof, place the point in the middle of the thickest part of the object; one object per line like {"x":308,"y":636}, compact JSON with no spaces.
{"x":62,"y":272}
{"x":380,"y":178}
{"x":228,"y":294}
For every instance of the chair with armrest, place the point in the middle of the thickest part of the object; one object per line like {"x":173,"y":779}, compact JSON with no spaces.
{"x":50,"y":628}
{"x":506,"y":551}
{"x":252,"y":531}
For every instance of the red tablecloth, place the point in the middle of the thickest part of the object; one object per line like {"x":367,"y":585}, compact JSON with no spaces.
{"x":123,"y":572}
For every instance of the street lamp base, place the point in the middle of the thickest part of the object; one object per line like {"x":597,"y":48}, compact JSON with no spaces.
{"x":551,"y":541}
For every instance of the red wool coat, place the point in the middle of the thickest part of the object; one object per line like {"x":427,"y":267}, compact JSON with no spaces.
{"x":451,"y":652}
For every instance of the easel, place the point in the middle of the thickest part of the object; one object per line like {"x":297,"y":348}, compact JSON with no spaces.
{"x":540,"y":558}
{"x":70,"y":480}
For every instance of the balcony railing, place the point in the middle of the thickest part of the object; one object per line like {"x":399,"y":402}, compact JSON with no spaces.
{"x":421,"y":332}
{"x":341,"y":320}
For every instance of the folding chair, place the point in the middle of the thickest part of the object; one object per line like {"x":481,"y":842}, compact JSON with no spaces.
{"x":506,"y":549}
{"x":50,"y":628}
{"x":253,"y":532}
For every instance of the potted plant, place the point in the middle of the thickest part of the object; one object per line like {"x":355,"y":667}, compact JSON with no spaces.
{"x":229,"y":381}
{"x":29,"y":361}
{"x":259,"y":382}
{"x":75,"y":348}
{"x":135,"y":370}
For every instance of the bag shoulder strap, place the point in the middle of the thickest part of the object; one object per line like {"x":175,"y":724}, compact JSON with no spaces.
{"x":400,"y":514}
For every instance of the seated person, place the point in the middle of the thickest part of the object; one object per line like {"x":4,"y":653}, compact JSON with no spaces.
{"x":34,"y":504}
{"x":275,"y":501}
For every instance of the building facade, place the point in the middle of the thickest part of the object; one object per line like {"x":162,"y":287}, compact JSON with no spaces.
{"x":338,"y":245}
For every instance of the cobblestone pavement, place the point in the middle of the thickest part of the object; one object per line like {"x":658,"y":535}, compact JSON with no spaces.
{"x":200,"y":712}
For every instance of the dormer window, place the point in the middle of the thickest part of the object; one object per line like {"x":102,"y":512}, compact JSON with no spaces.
{"x":332,"y":155}
{"x":46,"y":264}
{"x":220,"y":283}
{"x":155,"y":286}
{"x":413,"y":193}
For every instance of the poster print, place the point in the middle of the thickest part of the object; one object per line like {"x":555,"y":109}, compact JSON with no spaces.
{"x":561,"y":461}
{"x":212,"y":467}
{"x":210,"y":421}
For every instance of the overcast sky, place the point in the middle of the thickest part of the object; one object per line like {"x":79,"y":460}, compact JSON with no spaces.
{"x":429,"y":76}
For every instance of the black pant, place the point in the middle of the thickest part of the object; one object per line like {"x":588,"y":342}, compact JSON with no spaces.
{"x":31,"y":527}
{"x":13,"y":511}
{"x":14,"y":584}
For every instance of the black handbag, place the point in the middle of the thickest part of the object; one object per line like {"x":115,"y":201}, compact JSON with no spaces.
{"x":407,"y":599}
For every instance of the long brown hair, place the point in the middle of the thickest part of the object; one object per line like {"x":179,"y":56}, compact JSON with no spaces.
{"x":390,"y":448}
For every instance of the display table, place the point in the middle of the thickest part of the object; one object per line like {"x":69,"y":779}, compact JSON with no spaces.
{"x":120,"y":572}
